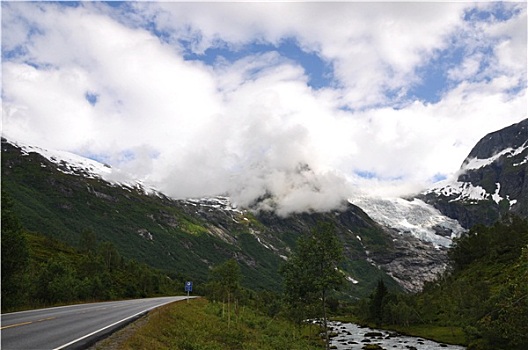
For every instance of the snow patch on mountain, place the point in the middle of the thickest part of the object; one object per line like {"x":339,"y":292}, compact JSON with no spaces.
{"x":524,"y":161}
{"x":466,"y":191}
{"x":216,"y":202}
{"x":73,"y":164}
{"x":462,"y":190}
{"x":415,"y":217}
{"x":476,"y":163}
{"x":68,"y":163}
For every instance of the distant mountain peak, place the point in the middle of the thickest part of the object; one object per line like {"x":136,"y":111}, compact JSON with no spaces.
{"x":492,"y":181}
{"x":512,"y":137}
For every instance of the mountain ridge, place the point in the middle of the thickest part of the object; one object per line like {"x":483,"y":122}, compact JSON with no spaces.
{"x":70,"y":163}
{"x":186,"y":237}
{"x":403,"y":241}
{"x":492,"y":180}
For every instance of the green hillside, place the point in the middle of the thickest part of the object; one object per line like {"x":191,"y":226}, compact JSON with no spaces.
{"x":39,"y":270}
{"x":182,"y":239}
{"x":484,"y":293}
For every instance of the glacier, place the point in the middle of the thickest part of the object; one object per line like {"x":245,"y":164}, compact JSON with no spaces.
{"x":414,"y":217}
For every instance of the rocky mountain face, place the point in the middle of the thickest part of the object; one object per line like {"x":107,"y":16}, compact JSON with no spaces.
{"x":403,"y":241}
{"x":63,"y":198}
{"x":420,"y":234}
{"x":63,"y":195}
{"x":492,"y":181}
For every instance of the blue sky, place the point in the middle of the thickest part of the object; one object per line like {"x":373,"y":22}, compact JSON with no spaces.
{"x":433,"y":74}
{"x":215,"y":98}
{"x":318,"y":70}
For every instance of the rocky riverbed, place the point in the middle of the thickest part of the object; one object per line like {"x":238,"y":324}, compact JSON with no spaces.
{"x":351,"y":337}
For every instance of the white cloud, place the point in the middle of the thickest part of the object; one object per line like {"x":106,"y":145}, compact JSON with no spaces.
{"x":146,"y":93}
{"x":373,"y":47}
{"x":253,"y":127}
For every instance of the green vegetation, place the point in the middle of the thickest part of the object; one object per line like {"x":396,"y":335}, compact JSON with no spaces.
{"x":483,"y":296}
{"x":224,"y":285}
{"x":15,"y":257}
{"x":232,"y":317}
{"x":181,"y":239}
{"x":312,"y":273}
{"x":40,"y":271}
{"x":151,"y":229}
{"x":69,"y":238}
{"x":200,"y":324}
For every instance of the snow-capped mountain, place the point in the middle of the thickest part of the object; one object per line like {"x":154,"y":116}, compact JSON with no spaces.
{"x":467,"y":191}
{"x":415,"y":217}
{"x":73,"y":164}
{"x":492,"y":181}
{"x":406,"y":239}
{"x":69,"y":193}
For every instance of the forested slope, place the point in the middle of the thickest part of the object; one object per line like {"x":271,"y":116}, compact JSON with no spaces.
{"x":484,"y":293}
{"x":38,"y":270}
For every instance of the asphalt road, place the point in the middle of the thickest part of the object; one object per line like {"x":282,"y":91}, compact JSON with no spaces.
{"x":73,"y":326}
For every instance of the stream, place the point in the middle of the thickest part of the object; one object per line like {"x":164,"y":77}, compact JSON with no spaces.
{"x":351,"y":336}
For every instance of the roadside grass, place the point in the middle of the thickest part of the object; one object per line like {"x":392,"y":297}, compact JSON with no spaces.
{"x":203,"y":325}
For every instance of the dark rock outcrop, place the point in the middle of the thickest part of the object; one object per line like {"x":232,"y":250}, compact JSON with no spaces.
{"x":493,"y":180}
{"x":513,"y":136}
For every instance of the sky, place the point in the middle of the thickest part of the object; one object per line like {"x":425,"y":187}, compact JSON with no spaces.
{"x":287,"y":106}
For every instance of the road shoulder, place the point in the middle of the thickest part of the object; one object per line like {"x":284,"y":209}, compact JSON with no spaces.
{"x":115,"y":340}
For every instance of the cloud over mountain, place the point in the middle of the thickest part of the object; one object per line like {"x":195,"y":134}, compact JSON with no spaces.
{"x":203,"y":99}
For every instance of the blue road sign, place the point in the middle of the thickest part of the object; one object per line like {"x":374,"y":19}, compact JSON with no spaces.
{"x":188,"y":286}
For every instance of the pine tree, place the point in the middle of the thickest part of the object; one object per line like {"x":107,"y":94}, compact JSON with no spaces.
{"x":15,"y":256}
{"x":377,"y":302}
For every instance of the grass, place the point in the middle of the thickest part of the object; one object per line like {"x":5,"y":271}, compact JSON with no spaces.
{"x":441,"y":334}
{"x":203,"y":325}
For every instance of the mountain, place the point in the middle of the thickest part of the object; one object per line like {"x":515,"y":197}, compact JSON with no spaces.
{"x":420,"y":233}
{"x":403,"y":241}
{"x":492,"y":181}
{"x":63,"y":195}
